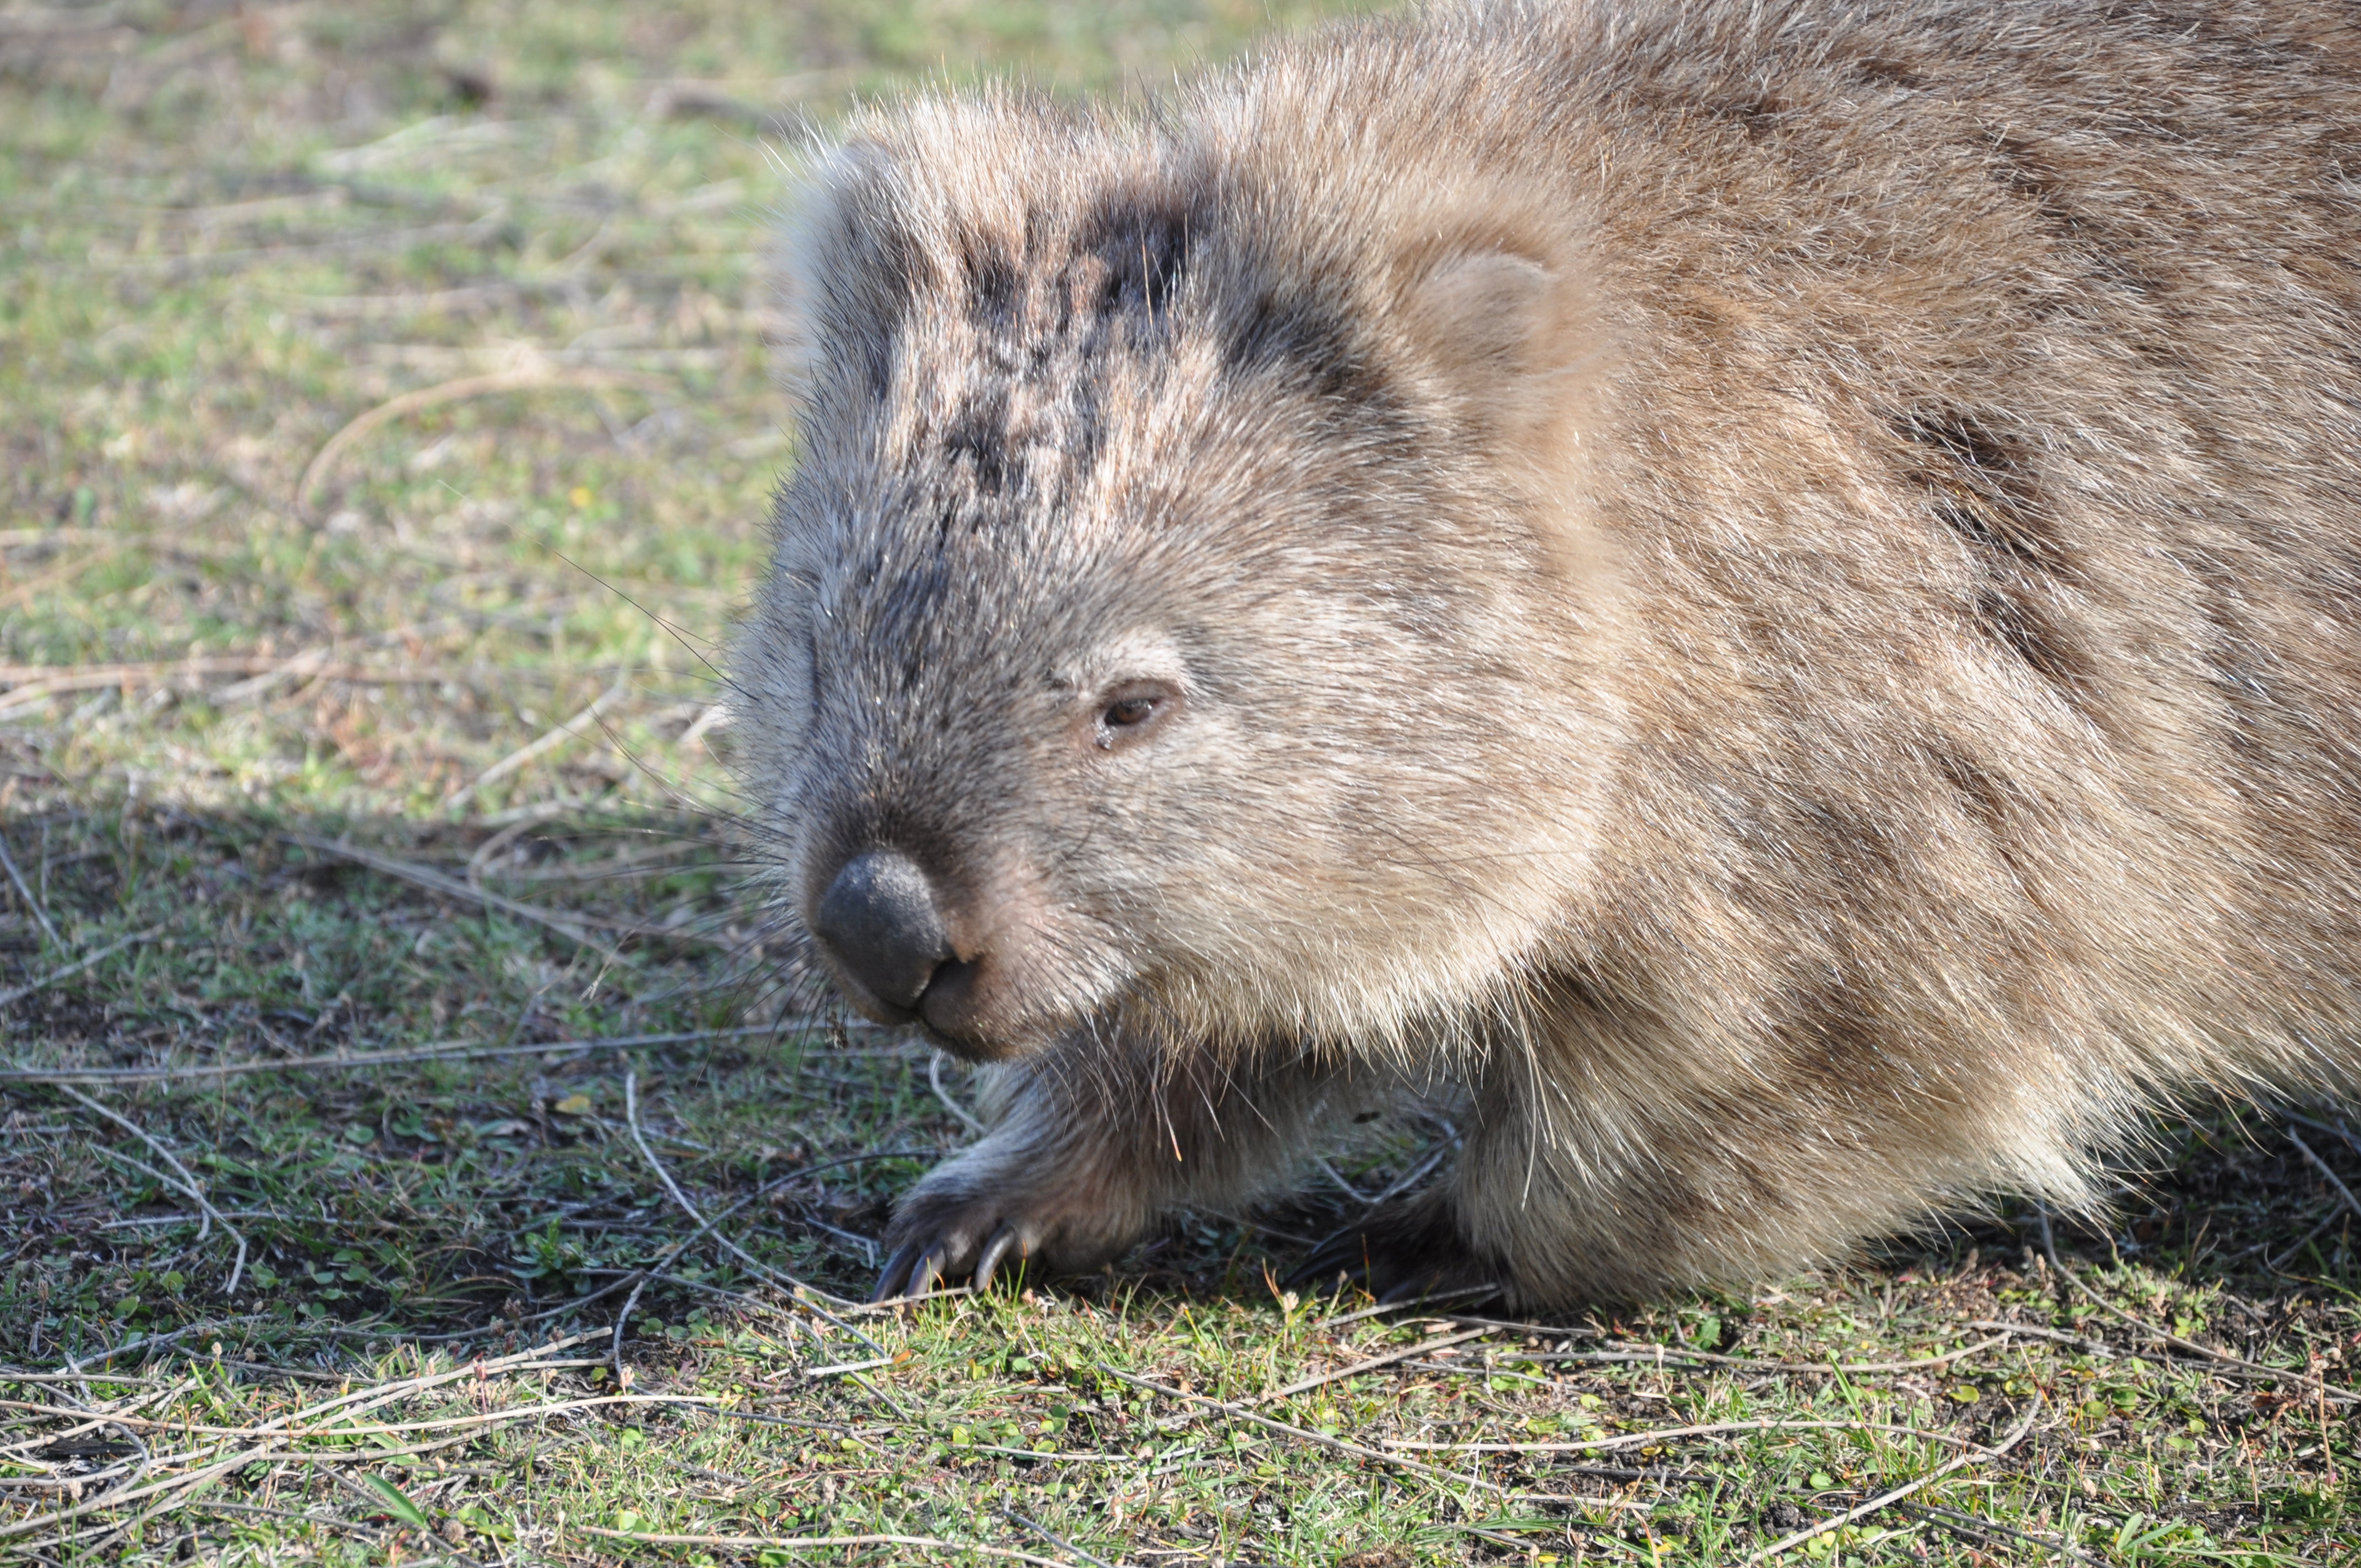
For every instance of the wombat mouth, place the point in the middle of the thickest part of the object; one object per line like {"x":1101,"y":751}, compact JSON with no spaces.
{"x":942,"y":1014}
{"x":946,"y":1014}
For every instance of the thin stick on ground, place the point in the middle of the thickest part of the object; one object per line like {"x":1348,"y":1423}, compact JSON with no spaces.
{"x":29,"y":685}
{"x":459,"y":887}
{"x":935,"y":1082}
{"x":804,"y":1293}
{"x":323,"y":1521}
{"x":1381,"y":1309}
{"x":2277,"y":1264}
{"x":1985,"y":1529}
{"x":1644,"y":1356}
{"x":656,"y":1270}
{"x":262,"y":1436}
{"x":26,"y":893}
{"x":1240,"y":1412}
{"x":1059,"y":1541}
{"x":187,"y":1183}
{"x":1666,"y":1434}
{"x":530,"y":379}
{"x":812,"y":1542}
{"x":209,"y":1325}
{"x":2327,"y":1390}
{"x":119,"y":1379}
{"x":2321,"y":1166}
{"x":455,"y":887}
{"x":365,"y":1062}
{"x":2340,"y":1129}
{"x":1887,"y":1499}
{"x":526,"y":754}
{"x":1373,"y":1364}
{"x":75,"y":967}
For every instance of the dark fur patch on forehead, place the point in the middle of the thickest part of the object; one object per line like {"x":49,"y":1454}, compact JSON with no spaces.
{"x":1142,"y":239}
{"x":1051,"y":305}
{"x":1118,"y":263}
{"x":996,"y":286}
{"x":1302,"y":339}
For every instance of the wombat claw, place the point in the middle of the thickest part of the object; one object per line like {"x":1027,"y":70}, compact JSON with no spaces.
{"x":917,"y":1267}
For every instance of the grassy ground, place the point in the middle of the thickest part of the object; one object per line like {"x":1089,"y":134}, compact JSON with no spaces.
{"x":408,"y":1154}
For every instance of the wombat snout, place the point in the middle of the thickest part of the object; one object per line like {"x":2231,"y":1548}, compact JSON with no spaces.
{"x":880,"y":924}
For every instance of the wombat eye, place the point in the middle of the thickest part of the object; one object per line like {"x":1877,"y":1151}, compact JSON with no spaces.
{"x":1130,"y":713}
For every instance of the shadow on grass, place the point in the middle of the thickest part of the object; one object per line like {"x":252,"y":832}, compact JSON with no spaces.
{"x":463,"y":1091}
{"x":392,"y":1056}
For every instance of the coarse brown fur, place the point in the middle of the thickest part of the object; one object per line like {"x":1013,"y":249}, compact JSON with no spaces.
{"x":1766,"y":595}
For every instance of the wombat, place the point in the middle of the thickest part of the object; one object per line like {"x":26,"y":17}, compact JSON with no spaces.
{"x":1764,"y":596}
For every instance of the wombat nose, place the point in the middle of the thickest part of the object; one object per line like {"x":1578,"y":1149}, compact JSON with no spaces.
{"x":878,"y":920}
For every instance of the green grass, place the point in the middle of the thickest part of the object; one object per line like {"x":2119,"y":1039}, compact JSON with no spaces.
{"x":225,"y":237}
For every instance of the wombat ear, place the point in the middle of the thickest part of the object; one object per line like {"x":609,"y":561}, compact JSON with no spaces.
{"x":826,"y":266}
{"x":1481,"y":309}
{"x":1498,"y":327}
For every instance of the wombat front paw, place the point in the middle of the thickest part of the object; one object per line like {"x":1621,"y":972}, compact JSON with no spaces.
{"x":1405,"y":1253}
{"x":939,"y":1238}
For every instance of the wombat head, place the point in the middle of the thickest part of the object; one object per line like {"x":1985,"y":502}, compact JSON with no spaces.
{"x":1182,"y":613}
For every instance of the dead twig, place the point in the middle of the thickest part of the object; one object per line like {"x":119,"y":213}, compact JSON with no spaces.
{"x":212,"y":1325}
{"x":848,"y":1368}
{"x":812,"y":1542}
{"x":2084,"y":1342}
{"x":365,"y":1062}
{"x":1059,"y":1541}
{"x":804,"y":1293}
{"x":1306,"y":1384}
{"x":2327,"y":1390}
{"x":187,"y":1183}
{"x":1887,"y":1499}
{"x":547,"y":743}
{"x":187,"y":1485}
{"x":2340,"y":1129}
{"x":75,"y":967}
{"x":2277,"y":1264}
{"x":433,"y":881}
{"x":1669,"y":1355}
{"x":457,"y":887}
{"x":125,"y":1380}
{"x":1666,"y":1434}
{"x":261,"y":1438}
{"x":324,"y":1522}
{"x":935,"y":1082}
{"x":639,"y":1279}
{"x":398,"y":1429}
{"x":489,"y":850}
{"x":31,"y":684}
{"x":24,"y":893}
{"x":1986,"y":1529}
{"x":656,"y":1270}
{"x":2318,"y":1164}
{"x":1383,"y":1308}
{"x":1240,"y":1412}
{"x":530,"y":378}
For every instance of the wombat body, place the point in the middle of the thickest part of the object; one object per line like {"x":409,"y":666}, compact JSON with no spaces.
{"x":1764,"y":596}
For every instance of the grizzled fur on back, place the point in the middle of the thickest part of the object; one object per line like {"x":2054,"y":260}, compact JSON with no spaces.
{"x":1768,"y":597}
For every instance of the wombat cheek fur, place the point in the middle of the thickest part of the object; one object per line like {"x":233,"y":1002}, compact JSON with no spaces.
{"x":1758,"y":599}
